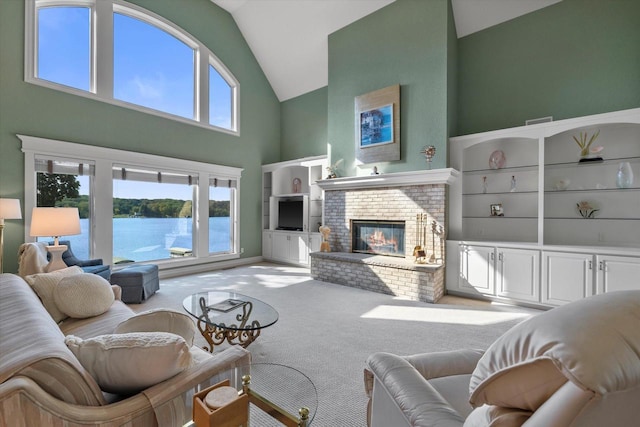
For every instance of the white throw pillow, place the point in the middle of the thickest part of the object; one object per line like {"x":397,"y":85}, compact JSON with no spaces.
{"x":44,"y":285}
{"x":83,"y":295}
{"x":160,"y":320}
{"x":128,"y":363}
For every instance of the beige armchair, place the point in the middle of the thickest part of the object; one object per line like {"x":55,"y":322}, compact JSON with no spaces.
{"x":575,"y":365}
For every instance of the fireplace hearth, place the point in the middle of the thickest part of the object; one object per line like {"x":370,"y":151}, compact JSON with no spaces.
{"x":378,"y":237}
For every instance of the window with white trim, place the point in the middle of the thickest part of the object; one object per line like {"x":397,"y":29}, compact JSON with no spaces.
{"x":145,"y":207}
{"x":123,"y":54}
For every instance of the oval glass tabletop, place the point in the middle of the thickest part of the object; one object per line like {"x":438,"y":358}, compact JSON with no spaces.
{"x":229,"y":316}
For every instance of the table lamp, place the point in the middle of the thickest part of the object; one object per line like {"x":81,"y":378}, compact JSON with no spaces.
{"x":55,"y":222}
{"x":9,"y":209}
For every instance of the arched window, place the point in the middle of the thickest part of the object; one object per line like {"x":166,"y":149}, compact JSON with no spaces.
{"x":125,"y":55}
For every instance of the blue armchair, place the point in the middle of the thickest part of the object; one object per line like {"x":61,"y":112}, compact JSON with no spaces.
{"x":94,"y":266}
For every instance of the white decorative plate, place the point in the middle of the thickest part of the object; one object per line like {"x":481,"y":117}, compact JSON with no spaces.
{"x":497,"y":159}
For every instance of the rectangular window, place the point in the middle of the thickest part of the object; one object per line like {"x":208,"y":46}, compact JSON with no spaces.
{"x":67,"y":183}
{"x":221,"y":206}
{"x":152,"y":214}
{"x":64,"y":46}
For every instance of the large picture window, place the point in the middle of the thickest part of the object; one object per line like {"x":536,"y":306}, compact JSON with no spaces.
{"x":148,"y":208}
{"x":123,"y":54}
{"x":152,"y":214}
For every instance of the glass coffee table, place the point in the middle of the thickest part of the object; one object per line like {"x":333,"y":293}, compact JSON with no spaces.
{"x":229,"y":316}
{"x":277,"y":394}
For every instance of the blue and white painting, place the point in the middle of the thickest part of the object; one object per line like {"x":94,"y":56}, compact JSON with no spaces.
{"x":376,"y":126}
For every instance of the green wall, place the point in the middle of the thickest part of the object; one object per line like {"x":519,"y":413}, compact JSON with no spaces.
{"x":404,"y":43}
{"x":304,"y":125}
{"x":33,"y":110}
{"x":574,"y":58}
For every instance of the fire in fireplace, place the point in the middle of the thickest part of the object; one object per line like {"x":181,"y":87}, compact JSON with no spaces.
{"x":378,"y":237}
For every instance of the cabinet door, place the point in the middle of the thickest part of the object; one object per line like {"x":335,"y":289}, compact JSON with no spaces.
{"x":280,"y":246}
{"x":518,"y":274}
{"x":566,"y":277}
{"x":315,"y":240}
{"x":477,"y":269}
{"x":617,"y":273}
{"x":266,"y":245}
{"x":298,"y":250}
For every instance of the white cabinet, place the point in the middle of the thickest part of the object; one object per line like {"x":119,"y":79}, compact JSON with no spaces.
{"x":502,"y":272}
{"x":315,"y":240}
{"x":517,"y":274}
{"x":581,"y":223}
{"x":477,"y":269}
{"x":267,"y":244}
{"x":566,"y":277}
{"x":290,"y":183}
{"x":617,"y":273}
{"x":288,"y":247}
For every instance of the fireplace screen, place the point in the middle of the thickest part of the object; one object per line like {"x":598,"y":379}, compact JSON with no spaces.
{"x":378,"y":237}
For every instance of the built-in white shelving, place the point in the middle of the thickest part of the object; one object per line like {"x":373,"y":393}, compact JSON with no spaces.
{"x":539,"y":188}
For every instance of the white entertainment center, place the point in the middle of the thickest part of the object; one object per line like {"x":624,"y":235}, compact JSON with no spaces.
{"x":516,"y":228}
{"x":292,"y":208}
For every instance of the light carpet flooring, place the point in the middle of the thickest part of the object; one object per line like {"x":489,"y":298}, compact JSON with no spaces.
{"x":327,"y":331}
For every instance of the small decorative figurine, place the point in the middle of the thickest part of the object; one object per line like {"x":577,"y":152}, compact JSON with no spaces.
{"x":429,"y":151}
{"x":513,"y":183}
{"x":375,"y":171}
{"x":333,"y":169}
{"x":484,"y":184}
{"x":297,"y":183}
{"x":324,"y":246}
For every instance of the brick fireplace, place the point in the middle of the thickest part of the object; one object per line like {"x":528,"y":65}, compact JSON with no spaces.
{"x":415,"y":199}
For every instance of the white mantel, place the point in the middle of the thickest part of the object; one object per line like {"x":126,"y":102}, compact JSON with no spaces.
{"x":397,"y":179}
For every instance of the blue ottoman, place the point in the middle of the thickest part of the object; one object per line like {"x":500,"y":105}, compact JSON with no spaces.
{"x":138,"y":282}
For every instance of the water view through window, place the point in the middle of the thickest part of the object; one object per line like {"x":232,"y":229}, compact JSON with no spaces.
{"x":148,"y":239}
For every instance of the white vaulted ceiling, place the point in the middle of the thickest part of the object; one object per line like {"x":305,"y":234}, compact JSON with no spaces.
{"x":289,"y":38}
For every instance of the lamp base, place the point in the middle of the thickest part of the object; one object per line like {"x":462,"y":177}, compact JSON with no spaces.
{"x":56,"y":262}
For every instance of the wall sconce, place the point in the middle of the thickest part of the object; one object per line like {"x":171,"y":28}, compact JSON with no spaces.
{"x":55,"y":222}
{"x":9,"y":209}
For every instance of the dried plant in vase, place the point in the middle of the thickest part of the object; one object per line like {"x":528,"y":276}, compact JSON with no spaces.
{"x":584,"y":142}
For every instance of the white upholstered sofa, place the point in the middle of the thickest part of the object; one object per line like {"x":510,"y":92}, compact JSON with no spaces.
{"x":44,"y":383}
{"x":573,"y":366}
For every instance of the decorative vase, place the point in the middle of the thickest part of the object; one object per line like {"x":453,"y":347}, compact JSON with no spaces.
{"x":624,"y":179}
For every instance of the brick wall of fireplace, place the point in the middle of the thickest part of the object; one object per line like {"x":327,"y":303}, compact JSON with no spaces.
{"x":399,"y":201}
{"x":389,"y":204}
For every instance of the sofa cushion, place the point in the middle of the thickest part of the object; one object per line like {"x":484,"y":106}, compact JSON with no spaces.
{"x":45,"y":284}
{"x":496,"y":416}
{"x":597,"y":348}
{"x":128,"y":363}
{"x":98,"y":325}
{"x":83,"y":295}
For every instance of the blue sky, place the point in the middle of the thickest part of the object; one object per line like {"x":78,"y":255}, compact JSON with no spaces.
{"x":151,"y":68}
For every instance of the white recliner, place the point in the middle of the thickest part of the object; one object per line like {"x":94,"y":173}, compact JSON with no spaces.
{"x":573,"y":366}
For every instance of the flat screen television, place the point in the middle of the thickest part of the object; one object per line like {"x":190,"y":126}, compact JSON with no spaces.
{"x":290,"y":214}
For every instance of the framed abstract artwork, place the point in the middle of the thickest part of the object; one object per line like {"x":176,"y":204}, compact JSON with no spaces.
{"x":377,"y":123}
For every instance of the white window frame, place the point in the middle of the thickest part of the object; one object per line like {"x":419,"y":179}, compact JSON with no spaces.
{"x":102,"y":212}
{"x":101,"y":79}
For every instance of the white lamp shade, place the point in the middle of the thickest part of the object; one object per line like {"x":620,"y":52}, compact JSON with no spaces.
{"x":10,"y":209}
{"x":55,"y":222}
